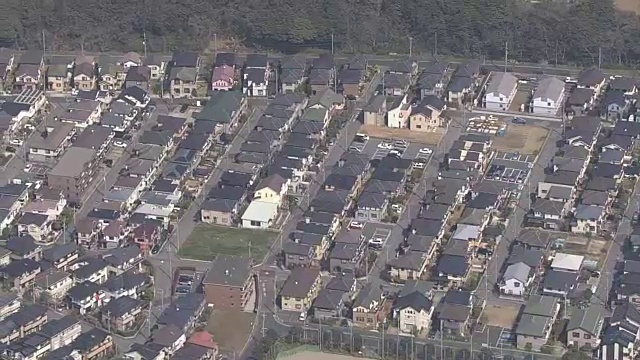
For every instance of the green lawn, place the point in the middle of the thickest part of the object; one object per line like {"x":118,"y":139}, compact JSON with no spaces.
{"x":207,"y":241}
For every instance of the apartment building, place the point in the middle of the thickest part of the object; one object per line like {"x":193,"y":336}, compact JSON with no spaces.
{"x":74,"y":173}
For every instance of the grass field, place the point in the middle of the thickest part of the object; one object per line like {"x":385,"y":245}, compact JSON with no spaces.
{"x":317,"y":355}
{"x":207,"y":241}
{"x":429,"y":138}
{"x":230,"y":329}
{"x":525,"y":139}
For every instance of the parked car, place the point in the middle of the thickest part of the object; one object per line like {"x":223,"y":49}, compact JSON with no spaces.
{"x":520,"y":121}
{"x":425,"y":151}
{"x":356,"y":225}
{"x":376,"y":242}
{"x":16,"y":142}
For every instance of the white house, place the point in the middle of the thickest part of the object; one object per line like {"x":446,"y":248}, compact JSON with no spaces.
{"x":398,"y":112}
{"x":567,"y":262}
{"x":548,"y":96}
{"x":257,"y":81}
{"x":414,"y":312}
{"x":260,"y":215}
{"x":500,"y":91}
{"x":515,"y":280}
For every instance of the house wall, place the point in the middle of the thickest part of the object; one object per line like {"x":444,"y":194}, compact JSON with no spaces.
{"x":84,"y":82}
{"x":405,"y":274}
{"x":585,"y":227}
{"x":268,"y":195}
{"x":338,"y":266}
{"x":497,"y":101}
{"x":536,"y":342}
{"x":144,"y":85}
{"x":373,"y":118}
{"x":325,"y":314}
{"x":228,"y":297}
{"x":513,"y":287}
{"x":419,"y":122}
{"x":546,"y":106}
{"x":411,"y":320}
{"x":290,"y":88}
{"x":181,"y":89}
{"x":74,"y":189}
{"x":66,"y":337}
{"x":368,"y":214}
{"x":396,"y":118}
{"x":365,"y":319}
{"x":216,"y":217}
{"x":58,"y":83}
{"x":581,"y":338}
{"x":291,"y":261}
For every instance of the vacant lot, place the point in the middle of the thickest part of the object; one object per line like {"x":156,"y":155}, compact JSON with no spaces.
{"x":429,"y":138}
{"x":503,"y":316}
{"x":594,"y":248}
{"x":207,"y":241}
{"x":525,"y":139}
{"x":230,"y":329}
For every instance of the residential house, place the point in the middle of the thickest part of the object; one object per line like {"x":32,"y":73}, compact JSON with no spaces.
{"x":372,"y":206}
{"x":61,"y":332}
{"x":453,"y":313}
{"x":273,"y":188}
{"x":94,"y":344}
{"x":348,"y":253}
{"x":547,"y":213}
{"x":84,"y":75}
{"x":61,"y":256}
{"x":147,"y":235}
{"x":58,"y":77}
{"x":223,"y":78}
{"x":256,"y":82}
{"x":500,"y":91}
{"x":185,"y":67}
{"x":624,"y":84}
{"x":53,"y":285}
{"x":130,"y":60}
{"x":588,"y":219}
{"x":368,"y":306}
{"x":516,"y":279}
{"x":592,"y":78}
{"x":300,"y":289}
{"x":27,"y":320}
{"x":548,"y":96}
{"x":223,"y":109}
{"x":320,"y":80}
{"x":580,"y":101}
{"x":620,"y":337}
{"x":35,"y":225}
{"x":398,"y":112}
{"x":20,"y":274}
{"x":375,"y":111}
{"x":24,"y":247}
{"x":584,"y":327}
{"x":157,"y":65}
{"x":87,"y":296}
{"x":426,"y":116}
{"x":219,"y":211}
{"x":139,"y":76}
{"x":122,"y":313}
{"x":47,"y":146}
{"x":350,"y":82}
{"x":260,"y":214}
{"x":415,"y":311}
{"x":30,"y":70}
{"x":459,"y":87}
{"x":229,"y":283}
{"x":326,"y":99}
{"x":537,"y":319}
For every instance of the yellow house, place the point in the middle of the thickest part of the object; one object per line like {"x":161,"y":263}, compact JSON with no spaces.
{"x":300,"y":289}
{"x":272,"y":189}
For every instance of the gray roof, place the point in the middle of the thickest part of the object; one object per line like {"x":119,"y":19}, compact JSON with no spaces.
{"x":121,"y":306}
{"x":549,"y":89}
{"x":93,"y":137}
{"x":560,"y":192}
{"x":54,"y":136}
{"x":328,"y":299}
{"x":368,"y":294}
{"x":228,"y":270}
{"x":541,"y":305}
{"x":415,"y":300}
{"x":594,"y":197}
{"x":519,"y":271}
{"x":589,"y":319}
{"x":221,"y":107}
{"x":611,"y":156}
{"x":548,"y":207}
{"x":73,"y":162}
{"x":591,"y":77}
{"x":562,"y":178}
{"x":502,"y":84}
{"x":167,"y":335}
{"x":299,"y":283}
{"x":532,"y":325}
{"x":59,"y":252}
{"x":327,"y":98}
{"x":588,"y":212}
{"x":376,"y":103}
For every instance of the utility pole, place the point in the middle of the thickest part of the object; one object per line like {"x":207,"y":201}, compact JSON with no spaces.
{"x":556,"y":53}
{"x":215,"y":44}
{"x":599,"y":57}
{"x":44,"y":54}
{"x":332,"y":48}
{"x":506,"y":55}
{"x":410,"y":46}
{"x":435,"y":46}
{"x":144,"y":43}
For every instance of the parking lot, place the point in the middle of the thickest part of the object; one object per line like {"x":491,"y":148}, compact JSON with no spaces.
{"x":187,"y":281}
{"x":511,"y":168}
{"x":377,"y":231}
{"x":379,"y":148}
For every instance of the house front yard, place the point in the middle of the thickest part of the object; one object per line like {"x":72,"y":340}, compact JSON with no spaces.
{"x":208,"y":241}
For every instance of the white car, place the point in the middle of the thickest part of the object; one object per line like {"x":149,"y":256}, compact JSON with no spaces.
{"x":425,"y":151}
{"x":356,"y":225}
{"x":385,"y":146}
{"x":27,"y":167}
{"x":397,"y":207}
{"x":395,"y":153}
{"x":376,"y":242}
{"x":29,"y":127}
{"x":120,"y":144}
{"x":16,"y":142}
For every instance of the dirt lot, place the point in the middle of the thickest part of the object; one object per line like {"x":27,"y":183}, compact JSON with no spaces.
{"x":592,"y":249}
{"x":230,"y":329}
{"x":628,"y":5}
{"x":429,"y":138}
{"x":503,"y":316}
{"x":525,"y":139}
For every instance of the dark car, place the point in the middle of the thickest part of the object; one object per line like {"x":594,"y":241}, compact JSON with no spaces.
{"x":520,"y":121}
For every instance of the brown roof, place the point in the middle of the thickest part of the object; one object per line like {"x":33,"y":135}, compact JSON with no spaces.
{"x":131,"y":56}
{"x":273,"y":182}
{"x":86,"y":226}
{"x":114,"y":229}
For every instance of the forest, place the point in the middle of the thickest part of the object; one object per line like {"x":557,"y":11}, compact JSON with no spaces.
{"x":581,"y":32}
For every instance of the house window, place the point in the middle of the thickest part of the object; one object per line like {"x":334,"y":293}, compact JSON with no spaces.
{"x":587,"y":336}
{"x":549,"y":104}
{"x":418,"y":126}
{"x":575,"y":334}
{"x":516,"y":284}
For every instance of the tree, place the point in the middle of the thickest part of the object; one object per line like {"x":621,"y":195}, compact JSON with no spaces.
{"x":574,"y":354}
